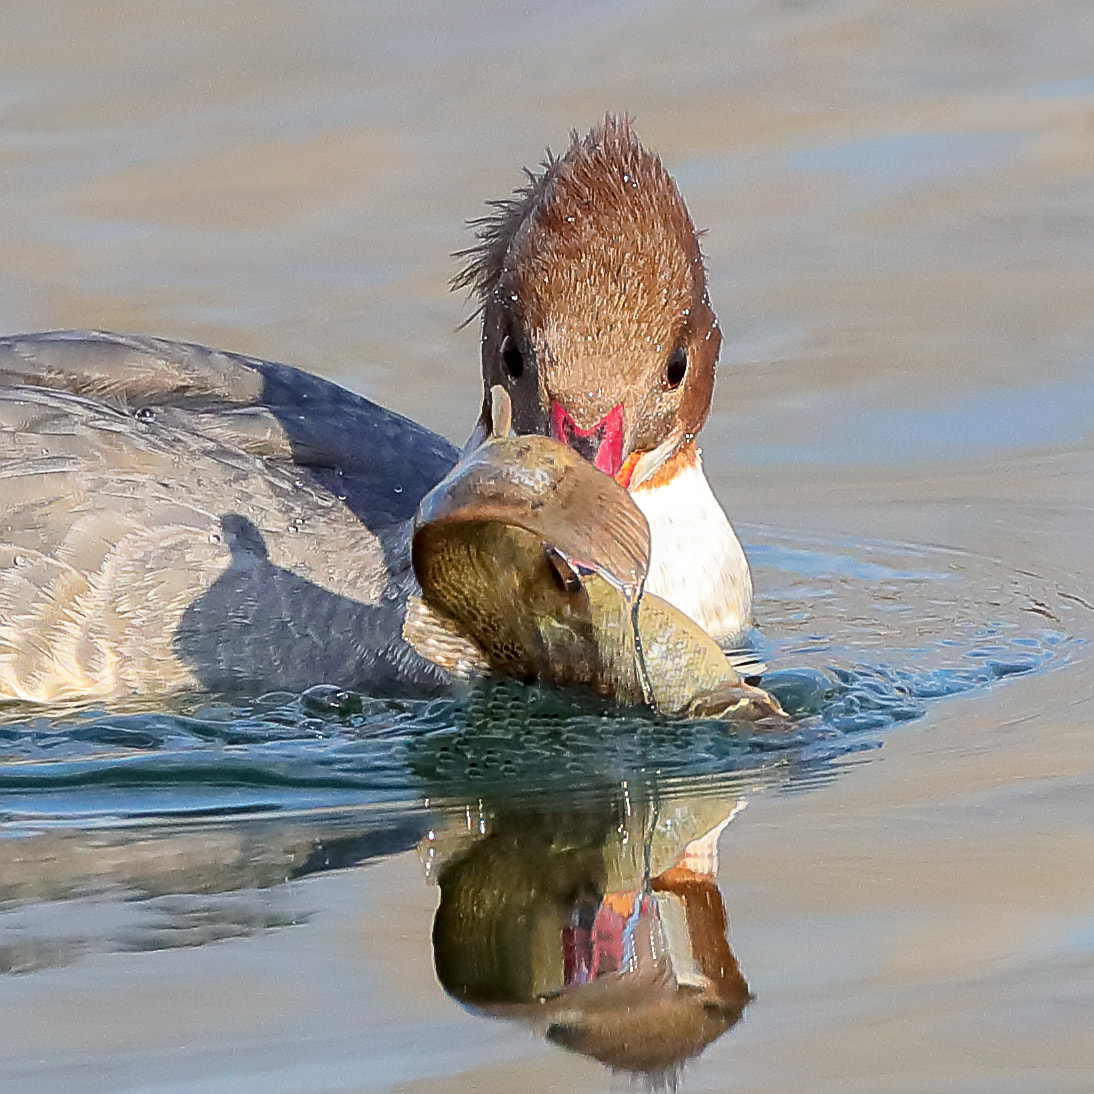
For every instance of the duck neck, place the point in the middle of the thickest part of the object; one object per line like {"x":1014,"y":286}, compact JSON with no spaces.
{"x":696,"y":560}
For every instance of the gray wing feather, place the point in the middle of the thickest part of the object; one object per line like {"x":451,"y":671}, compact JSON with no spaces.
{"x":174,"y":517}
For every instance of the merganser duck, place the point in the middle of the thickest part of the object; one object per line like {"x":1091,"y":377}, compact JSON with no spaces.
{"x":176,"y":518}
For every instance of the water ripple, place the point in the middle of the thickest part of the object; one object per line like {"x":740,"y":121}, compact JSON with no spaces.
{"x":863,"y":636}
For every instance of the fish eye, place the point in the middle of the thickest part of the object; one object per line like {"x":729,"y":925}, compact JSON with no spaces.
{"x":675,"y":368}
{"x":511,"y":357}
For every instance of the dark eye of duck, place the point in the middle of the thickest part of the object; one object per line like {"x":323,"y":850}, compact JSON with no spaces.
{"x":675,"y":367}
{"x":511,"y":356}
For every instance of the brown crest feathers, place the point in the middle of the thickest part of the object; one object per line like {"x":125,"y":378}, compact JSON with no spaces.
{"x":608,"y":162}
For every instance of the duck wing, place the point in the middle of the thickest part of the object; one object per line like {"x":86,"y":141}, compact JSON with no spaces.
{"x":382,"y":463}
{"x":172,"y":517}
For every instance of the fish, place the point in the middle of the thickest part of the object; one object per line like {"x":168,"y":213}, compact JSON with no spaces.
{"x":539,"y":560}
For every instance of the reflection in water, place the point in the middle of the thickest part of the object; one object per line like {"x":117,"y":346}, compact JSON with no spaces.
{"x":67,"y":893}
{"x":593,"y":916}
{"x":601,"y":927}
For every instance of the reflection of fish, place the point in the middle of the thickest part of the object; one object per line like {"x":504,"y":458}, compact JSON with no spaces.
{"x":601,"y":926}
{"x":539,"y":559}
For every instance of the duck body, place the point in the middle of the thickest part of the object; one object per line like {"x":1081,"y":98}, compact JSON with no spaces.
{"x":175,"y":518}
{"x":696,"y":561}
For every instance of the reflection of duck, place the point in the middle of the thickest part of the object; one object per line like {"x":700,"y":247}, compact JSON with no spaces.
{"x":610,"y":943}
{"x":174,"y":517}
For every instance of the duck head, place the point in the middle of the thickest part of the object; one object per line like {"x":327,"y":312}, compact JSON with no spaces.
{"x":595,"y":315}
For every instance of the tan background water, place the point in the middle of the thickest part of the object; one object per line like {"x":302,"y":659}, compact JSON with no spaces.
{"x":900,"y":203}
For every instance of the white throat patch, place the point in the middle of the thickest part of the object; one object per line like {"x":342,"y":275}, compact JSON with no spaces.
{"x":696,"y":560}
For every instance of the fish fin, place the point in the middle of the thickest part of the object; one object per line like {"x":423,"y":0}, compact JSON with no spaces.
{"x":501,"y":412}
{"x":567,"y":576}
{"x":439,"y":640}
{"x":738,"y":702}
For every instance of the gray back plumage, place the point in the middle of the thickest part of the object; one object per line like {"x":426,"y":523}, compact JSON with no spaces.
{"x":175,"y":517}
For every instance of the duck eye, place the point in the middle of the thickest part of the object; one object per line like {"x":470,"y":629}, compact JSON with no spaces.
{"x":511,"y":356}
{"x":675,"y":367}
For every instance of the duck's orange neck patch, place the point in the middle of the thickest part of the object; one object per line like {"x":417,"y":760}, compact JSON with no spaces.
{"x":626,"y":472}
{"x":682,"y":458}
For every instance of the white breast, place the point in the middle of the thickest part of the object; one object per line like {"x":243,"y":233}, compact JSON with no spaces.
{"x":696,"y":560}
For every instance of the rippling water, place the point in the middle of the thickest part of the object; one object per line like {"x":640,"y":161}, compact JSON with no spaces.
{"x":861,"y":636}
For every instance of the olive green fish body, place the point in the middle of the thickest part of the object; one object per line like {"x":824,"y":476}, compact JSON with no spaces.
{"x":538,"y":559}
{"x":496,"y":582}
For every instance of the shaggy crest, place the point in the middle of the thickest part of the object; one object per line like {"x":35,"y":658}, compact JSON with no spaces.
{"x":608,"y":167}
